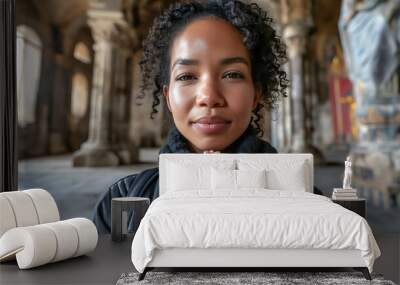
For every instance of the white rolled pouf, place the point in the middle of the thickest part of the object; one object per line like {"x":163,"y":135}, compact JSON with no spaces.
{"x":7,"y":218}
{"x":66,"y":237}
{"x":26,"y":208}
{"x":40,"y":244}
{"x":32,"y":246}
{"x":46,"y":207}
{"x":87,"y":233}
{"x":24,"y":211}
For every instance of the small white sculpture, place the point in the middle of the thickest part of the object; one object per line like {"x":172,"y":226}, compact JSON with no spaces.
{"x":347,"y":174}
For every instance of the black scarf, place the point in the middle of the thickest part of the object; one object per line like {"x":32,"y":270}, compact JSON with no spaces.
{"x":248,"y":142}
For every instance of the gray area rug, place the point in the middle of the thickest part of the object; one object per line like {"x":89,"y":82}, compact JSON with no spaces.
{"x":269,"y":278}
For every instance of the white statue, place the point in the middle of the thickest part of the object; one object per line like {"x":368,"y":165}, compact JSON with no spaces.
{"x":347,"y":174}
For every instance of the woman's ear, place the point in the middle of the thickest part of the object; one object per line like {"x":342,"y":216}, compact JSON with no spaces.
{"x":165,"y":92}
{"x":257,"y":96}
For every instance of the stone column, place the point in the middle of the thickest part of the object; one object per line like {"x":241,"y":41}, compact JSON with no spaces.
{"x":127,"y":150}
{"x":58,"y":112}
{"x":109,"y":30}
{"x":297,"y":23}
{"x":295,"y":36}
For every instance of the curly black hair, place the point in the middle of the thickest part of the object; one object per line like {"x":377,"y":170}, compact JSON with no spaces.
{"x":266,"y":49}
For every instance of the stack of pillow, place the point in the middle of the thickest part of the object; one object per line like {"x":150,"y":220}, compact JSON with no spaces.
{"x":229,"y":175}
{"x":31,"y":231}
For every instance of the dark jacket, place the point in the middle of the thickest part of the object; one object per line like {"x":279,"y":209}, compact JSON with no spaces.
{"x":145,"y":184}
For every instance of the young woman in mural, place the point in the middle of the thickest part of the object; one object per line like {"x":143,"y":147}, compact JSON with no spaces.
{"x":216,"y":64}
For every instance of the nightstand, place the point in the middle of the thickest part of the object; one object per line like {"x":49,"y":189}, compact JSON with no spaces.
{"x":119,"y":215}
{"x":358,"y":206}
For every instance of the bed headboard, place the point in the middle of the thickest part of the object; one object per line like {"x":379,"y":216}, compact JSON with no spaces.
{"x":298,"y":167}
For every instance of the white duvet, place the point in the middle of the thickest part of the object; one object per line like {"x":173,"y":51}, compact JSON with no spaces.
{"x":254,"y":218}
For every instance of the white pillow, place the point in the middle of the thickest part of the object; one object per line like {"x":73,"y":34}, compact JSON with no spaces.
{"x":281,"y":174}
{"x":295,"y":180}
{"x":236,"y":179}
{"x":186,"y":175}
{"x":251,"y":178}
{"x":223,"y":179}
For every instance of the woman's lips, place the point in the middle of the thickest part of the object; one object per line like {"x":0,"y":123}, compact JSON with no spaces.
{"x":211,"y":125}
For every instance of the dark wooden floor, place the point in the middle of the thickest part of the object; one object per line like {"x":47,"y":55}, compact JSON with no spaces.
{"x":389,"y":262}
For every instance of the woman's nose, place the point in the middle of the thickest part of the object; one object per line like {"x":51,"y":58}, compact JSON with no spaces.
{"x":209,"y":95}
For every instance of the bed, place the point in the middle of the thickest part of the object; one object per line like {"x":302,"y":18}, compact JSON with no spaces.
{"x":247,"y":211}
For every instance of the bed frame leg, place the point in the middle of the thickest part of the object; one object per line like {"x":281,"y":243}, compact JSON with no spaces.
{"x":143,"y":274}
{"x":364,"y":271}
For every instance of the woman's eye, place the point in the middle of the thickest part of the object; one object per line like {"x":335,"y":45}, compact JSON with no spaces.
{"x":184,"y":77}
{"x":234,"y":75}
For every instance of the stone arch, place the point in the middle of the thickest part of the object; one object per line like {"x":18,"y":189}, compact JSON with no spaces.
{"x":27,"y":14}
{"x":82,"y":53}
{"x":79,"y":95}
{"x":29,"y":61}
{"x":78,"y":30}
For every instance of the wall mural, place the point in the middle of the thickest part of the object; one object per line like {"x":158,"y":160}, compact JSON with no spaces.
{"x":370,"y":38}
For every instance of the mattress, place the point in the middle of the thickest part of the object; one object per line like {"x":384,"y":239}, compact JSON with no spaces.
{"x":250,"y":219}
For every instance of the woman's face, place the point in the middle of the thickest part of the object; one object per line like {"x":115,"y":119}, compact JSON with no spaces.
{"x":211,"y":93}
